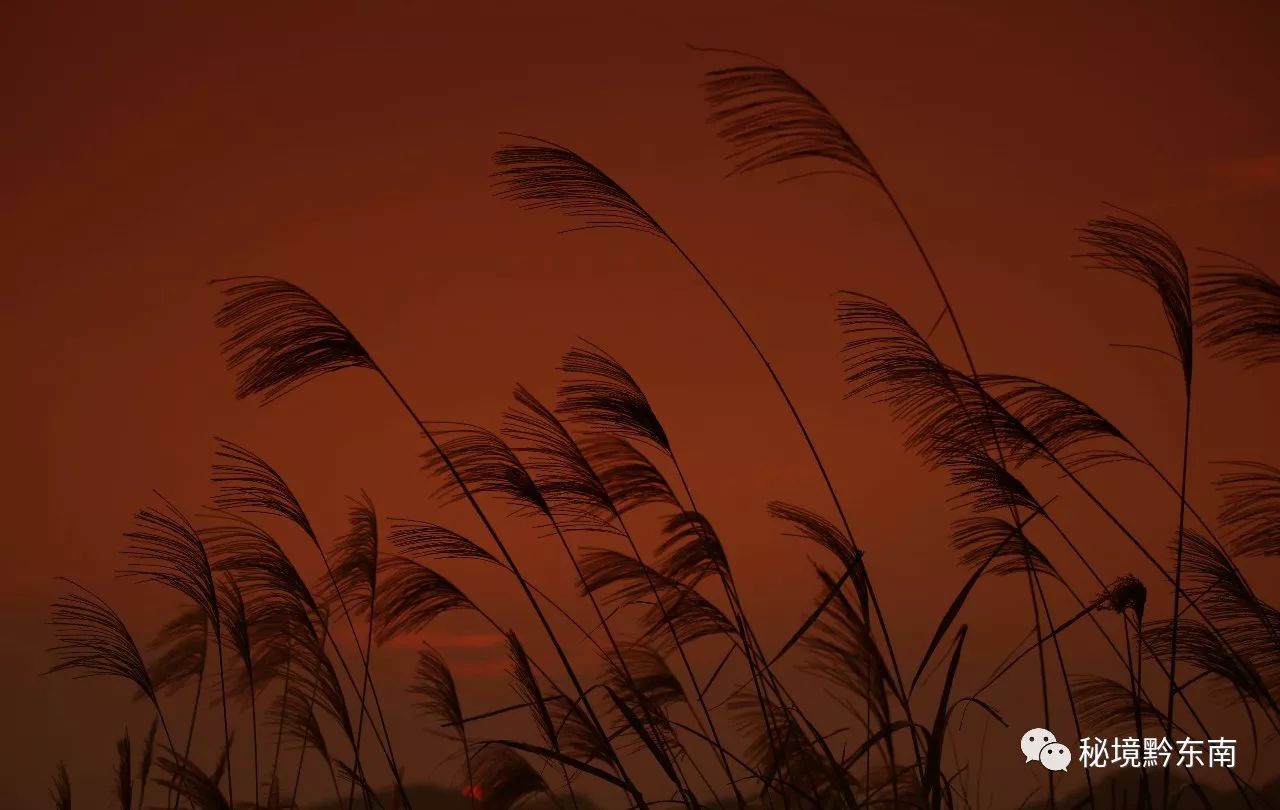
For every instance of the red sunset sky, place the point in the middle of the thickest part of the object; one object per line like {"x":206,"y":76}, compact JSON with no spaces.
{"x":151,"y":147}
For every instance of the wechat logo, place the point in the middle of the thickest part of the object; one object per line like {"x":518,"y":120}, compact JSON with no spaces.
{"x":1039,"y":745}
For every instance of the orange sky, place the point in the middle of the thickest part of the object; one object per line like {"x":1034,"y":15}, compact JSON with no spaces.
{"x":149,"y":149}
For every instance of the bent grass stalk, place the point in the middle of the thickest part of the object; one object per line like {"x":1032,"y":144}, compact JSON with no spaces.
{"x":282,"y":338}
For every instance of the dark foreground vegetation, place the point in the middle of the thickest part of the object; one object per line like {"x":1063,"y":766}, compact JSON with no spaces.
{"x":292,"y":657}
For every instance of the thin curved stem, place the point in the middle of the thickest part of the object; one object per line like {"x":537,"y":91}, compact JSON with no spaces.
{"x":818,"y":463}
{"x":512,"y":566}
{"x":364,"y":688}
{"x":1177,"y":580}
{"x":226,"y":718}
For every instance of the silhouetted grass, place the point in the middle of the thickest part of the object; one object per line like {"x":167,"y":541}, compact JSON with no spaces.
{"x":584,"y":468}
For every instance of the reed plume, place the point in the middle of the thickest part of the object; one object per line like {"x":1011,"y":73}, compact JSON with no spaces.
{"x":165,"y":548}
{"x":144,"y":762}
{"x":437,"y":693}
{"x":124,"y":772}
{"x":61,"y":790}
{"x":548,"y":175}
{"x":1140,"y":249}
{"x":602,"y":463}
{"x":1240,"y":311}
{"x":1251,"y":508}
{"x":274,"y":351}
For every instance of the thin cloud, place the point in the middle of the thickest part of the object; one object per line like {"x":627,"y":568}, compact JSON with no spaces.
{"x":1250,"y":173}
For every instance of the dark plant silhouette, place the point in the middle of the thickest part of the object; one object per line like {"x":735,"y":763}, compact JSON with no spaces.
{"x":61,"y":790}
{"x":598,"y":475}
